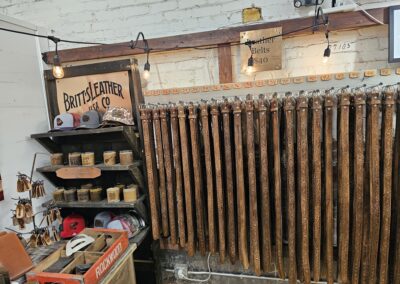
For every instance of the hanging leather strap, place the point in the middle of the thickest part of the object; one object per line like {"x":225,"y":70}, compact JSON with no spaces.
{"x":176,"y":149}
{"x":151,"y":170}
{"x":303,"y":176}
{"x":218,"y":180}
{"x":225,"y":110}
{"x":358,"y":199}
{"x":289,"y":105}
{"x":240,"y":187}
{"x":374,"y":105}
{"x":212,"y":235}
{"x":161,"y":173}
{"x":396,"y":199}
{"x":168,"y":162}
{"x":198,"y":177}
{"x":316,"y":139}
{"x":387,"y":152}
{"x":187,"y":181}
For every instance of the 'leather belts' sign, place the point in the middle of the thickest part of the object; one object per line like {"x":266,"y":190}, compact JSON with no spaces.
{"x":98,"y":92}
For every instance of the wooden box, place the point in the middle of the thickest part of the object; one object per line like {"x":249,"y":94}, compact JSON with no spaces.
{"x":108,"y":247}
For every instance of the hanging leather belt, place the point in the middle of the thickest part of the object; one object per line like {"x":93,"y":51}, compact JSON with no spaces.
{"x":251,"y":160}
{"x":209,"y":177}
{"x":387,"y":151}
{"x":198,"y":177}
{"x":218,"y":180}
{"x":358,"y":199}
{"x":151,"y":170}
{"x":161,"y":173}
{"x":328,"y":165}
{"x":396,"y":198}
{"x":166,"y":143}
{"x":176,"y":149}
{"x":225,"y":110}
{"x":183,"y":129}
{"x":289,"y":110}
{"x":240,"y":188}
{"x":303,"y":175}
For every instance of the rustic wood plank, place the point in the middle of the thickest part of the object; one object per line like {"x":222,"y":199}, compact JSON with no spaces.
{"x":337,"y":21}
{"x":225,"y":63}
{"x":78,"y":172}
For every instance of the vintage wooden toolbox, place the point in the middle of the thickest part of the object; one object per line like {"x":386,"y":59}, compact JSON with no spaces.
{"x":107,"y":248}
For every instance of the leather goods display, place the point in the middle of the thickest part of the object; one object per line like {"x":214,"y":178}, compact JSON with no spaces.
{"x":13,"y":255}
{"x":303,"y":185}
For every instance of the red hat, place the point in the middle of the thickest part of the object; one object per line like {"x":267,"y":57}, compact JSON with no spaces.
{"x":72,"y":225}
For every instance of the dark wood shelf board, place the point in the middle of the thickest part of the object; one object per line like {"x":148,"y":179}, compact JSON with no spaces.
{"x":80,"y":132}
{"x":100,"y":204}
{"x":139,"y":238}
{"x":102,"y":167}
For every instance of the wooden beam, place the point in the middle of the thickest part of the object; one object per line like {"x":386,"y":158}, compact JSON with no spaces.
{"x":225,"y":63}
{"x":337,"y":21}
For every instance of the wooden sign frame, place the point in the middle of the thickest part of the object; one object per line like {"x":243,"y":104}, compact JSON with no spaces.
{"x":129,"y":65}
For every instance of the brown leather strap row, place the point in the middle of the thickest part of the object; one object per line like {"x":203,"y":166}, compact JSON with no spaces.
{"x":329,"y":104}
{"x":218,"y":180}
{"x":387,"y":156}
{"x":358,"y":179}
{"x":151,"y":170}
{"x":161,"y":173}
{"x":187,"y":180}
{"x":289,"y":109}
{"x":240,"y":184}
{"x":168,"y":162}
{"x":176,"y":149}
{"x":209,"y":173}
{"x":396,"y":198}
{"x":198,"y":180}
{"x":343,"y":186}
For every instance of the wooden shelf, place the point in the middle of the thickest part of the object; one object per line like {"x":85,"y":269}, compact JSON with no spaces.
{"x":53,"y":141}
{"x":139,"y":238}
{"x":102,"y":167}
{"x":99,"y":204}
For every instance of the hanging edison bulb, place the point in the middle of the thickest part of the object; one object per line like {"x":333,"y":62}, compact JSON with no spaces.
{"x":146,"y":72}
{"x":58,"y":71}
{"x":327,"y":54}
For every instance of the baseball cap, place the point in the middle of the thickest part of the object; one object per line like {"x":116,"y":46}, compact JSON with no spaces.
{"x":72,"y":225}
{"x":128,"y":222}
{"x":117,"y":116}
{"x":90,"y":119}
{"x":66,"y":121}
{"x":102,"y":219}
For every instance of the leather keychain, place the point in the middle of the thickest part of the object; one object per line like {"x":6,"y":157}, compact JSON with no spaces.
{"x":151,"y":169}
{"x":218,"y":179}
{"x":252,"y":184}
{"x":161,"y":173}
{"x":187,"y":180}
{"x":166,"y":144}
{"x":198,"y":176}
{"x":226,"y":124}
{"x":209,"y":173}
{"x":176,"y":149}
{"x":240,"y":185}
{"x":289,"y":106}
{"x":277,"y":184}
{"x":387,"y":152}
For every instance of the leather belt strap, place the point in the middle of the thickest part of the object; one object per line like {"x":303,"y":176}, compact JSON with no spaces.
{"x":277,"y":185}
{"x":263,"y":118}
{"x":212,"y":235}
{"x":289,"y":110}
{"x":198,"y":176}
{"x":251,"y":166}
{"x":387,"y":151}
{"x":218,"y":180}
{"x":316,"y":139}
{"x":168,"y":162}
{"x":225,"y":110}
{"x":303,"y":175}
{"x":183,"y":129}
{"x":151,"y":170}
{"x":343,"y":187}
{"x":161,"y":173}
{"x":176,"y":148}
{"x":240,"y":188}
{"x":358,"y":199}
{"x":374,"y":181}
{"x":329,"y":104}
{"x":396,"y":198}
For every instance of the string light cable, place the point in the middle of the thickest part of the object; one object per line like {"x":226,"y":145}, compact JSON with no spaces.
{"x":366,"y":13}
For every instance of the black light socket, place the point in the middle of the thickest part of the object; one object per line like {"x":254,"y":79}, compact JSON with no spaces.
{"x":250,"y":62}
{"x":327,"y":52}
